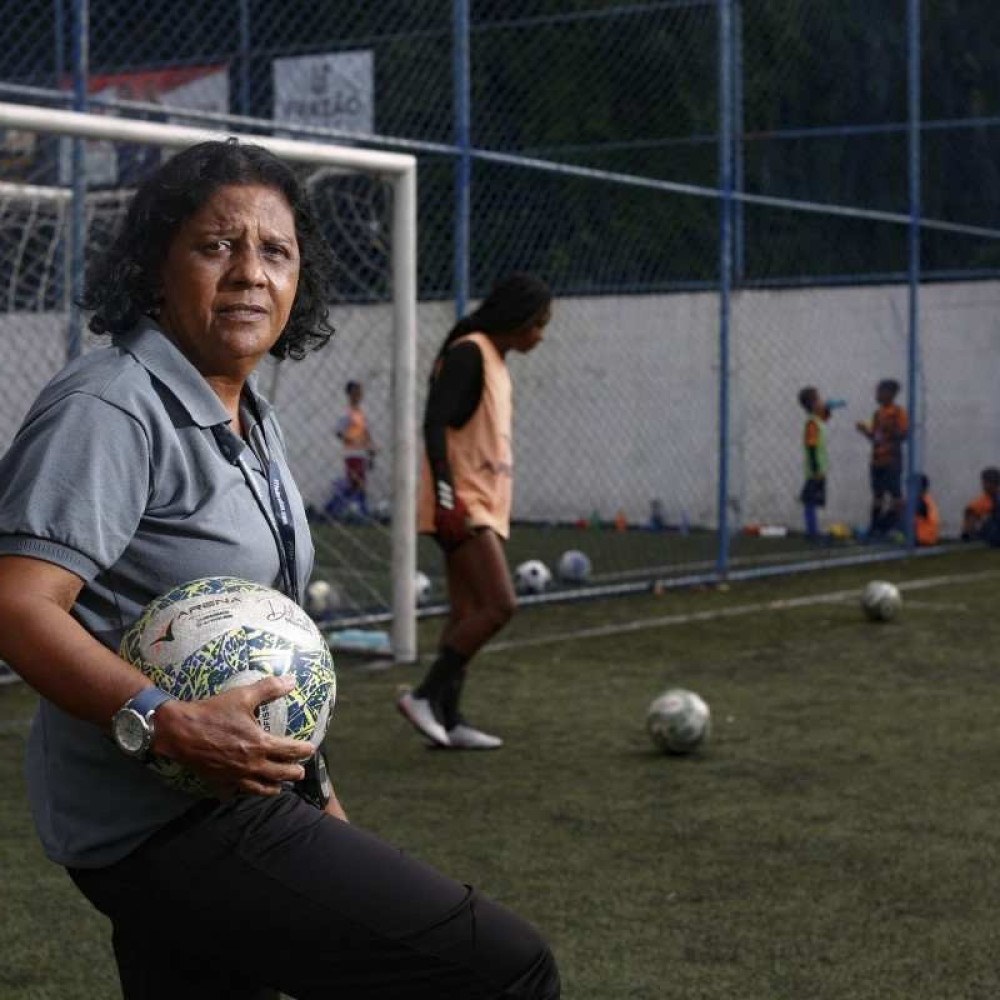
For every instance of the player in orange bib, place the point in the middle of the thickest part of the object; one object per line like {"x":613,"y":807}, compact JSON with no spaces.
{"x":927,"y":517}
{"x":465,"y":497}
{"x":359,"y":448}
{"x":887,"y":432}
{"x":980,"y":512}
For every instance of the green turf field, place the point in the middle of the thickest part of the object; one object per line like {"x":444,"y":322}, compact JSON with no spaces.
{"x":357,"y":556}
{"x":838,"y":838}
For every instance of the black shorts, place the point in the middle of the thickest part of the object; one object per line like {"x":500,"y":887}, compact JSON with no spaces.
{"x":814,"y":493}
{"x":245,"y":898}
{"x":886,"y":479}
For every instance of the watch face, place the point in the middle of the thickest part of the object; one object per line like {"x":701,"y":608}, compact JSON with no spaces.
{"x":130,"y":731}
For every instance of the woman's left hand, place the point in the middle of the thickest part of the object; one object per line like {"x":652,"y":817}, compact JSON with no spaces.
{"x":220,"y":739}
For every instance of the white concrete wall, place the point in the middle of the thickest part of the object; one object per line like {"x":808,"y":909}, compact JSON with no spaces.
{"x":635,"y":385}
{"x":620,"y":403}
{"x":844,"y":341}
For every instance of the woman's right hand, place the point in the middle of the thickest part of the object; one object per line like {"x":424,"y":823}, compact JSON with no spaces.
{"x":220,"y":739}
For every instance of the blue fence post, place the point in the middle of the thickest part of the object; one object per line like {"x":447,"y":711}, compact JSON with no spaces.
{"x":78,"y":217}
{"x":59,"y":33}
{"x":725,"y":8}
{"x":739,"y":261}
{"x":243,"y":82}
{"x":463,"y":162}
{"x":914,"y":458}
{"x":59,"y":74}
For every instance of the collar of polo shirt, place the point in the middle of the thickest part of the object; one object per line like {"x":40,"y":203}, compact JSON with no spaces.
{"x":162,"y":358}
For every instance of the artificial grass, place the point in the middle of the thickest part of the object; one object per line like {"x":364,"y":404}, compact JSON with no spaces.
{"x":836,"y":838}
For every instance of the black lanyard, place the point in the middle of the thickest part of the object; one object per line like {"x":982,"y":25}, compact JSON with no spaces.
{"x":233,"y":449}
{"x":283,"y":516}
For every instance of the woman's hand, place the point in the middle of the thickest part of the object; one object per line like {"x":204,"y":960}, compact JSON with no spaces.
{"x":220,"y":739}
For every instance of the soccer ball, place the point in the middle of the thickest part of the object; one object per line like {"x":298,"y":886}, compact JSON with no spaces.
{"x":574,"y":566}
{"x":881,"y":601}
{"x":322,"y":599}
{"x":423,"y":587}
{"x":678,"y":721}
{"x":532,"y":577}
{"x":210,"y":635}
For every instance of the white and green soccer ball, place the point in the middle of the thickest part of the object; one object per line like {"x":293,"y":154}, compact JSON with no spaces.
{"x":678,"y":721}
{"x":881,"y":601}
{"x":211,"y":635}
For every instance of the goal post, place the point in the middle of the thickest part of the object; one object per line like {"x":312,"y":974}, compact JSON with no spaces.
{"x":398,"y":173}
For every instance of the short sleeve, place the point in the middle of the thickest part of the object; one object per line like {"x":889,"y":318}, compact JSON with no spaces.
{"x":74,"y":485}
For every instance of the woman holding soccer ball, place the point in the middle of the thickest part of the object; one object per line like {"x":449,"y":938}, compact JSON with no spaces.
{"x":151,"y":463}
{"x":466,"y":494}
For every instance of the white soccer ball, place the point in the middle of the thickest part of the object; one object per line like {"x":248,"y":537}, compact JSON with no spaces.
{"x":678,"y":721}
{"x":532,"y":577}
{"x":423,"y":587}
{"x":881,"y":601}
{"x":217,"y":633}
{"x":323,"y":599}
{"x":574,"y":566}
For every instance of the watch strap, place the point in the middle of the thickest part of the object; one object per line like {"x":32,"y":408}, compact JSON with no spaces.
{"x":148,"y":700}
{"x":315,"y":787}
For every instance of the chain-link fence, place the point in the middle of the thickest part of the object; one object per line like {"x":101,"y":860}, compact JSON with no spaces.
{"x":721,"y":193}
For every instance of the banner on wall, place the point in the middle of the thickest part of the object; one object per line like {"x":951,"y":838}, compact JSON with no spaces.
{"x":335,"y":90}
{"x":177,"y":88}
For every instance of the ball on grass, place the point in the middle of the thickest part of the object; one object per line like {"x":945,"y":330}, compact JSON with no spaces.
{"x":678,"y":721}
{"x":881,"y":601}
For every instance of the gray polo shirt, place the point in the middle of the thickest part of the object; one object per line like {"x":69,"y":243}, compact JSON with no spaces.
{"x":125,"y":473}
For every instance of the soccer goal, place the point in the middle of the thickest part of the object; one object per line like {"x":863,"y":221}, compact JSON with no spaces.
{"x":366,"y":203}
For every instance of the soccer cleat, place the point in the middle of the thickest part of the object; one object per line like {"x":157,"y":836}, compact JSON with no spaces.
{"x":420,"y":715}
{"x":464,"y":737}
{"x":7,"y":675}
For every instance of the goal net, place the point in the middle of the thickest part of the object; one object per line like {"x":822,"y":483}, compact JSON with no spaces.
{"x":365,"y":201}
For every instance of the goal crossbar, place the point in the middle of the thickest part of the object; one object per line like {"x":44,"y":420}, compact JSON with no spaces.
{"x":399,"y":171}
{"x":86,"y":126}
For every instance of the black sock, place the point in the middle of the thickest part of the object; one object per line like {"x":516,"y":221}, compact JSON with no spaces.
{"x":443,"y":682}
{"x":450,"y":715}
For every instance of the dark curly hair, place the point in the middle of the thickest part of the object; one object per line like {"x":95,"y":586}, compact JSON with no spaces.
{"x":123,"y":283}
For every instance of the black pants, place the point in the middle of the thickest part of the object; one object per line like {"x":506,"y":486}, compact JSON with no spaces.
{"x":237,"y":900}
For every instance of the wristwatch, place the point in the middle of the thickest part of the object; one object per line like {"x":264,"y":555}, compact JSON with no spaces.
{"x":132,"y":724}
